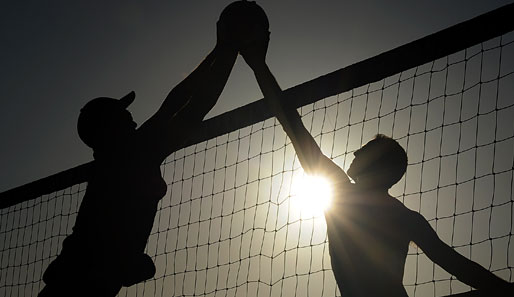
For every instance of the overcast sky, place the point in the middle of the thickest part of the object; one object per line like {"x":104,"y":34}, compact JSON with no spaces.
{"x":57,"y":55}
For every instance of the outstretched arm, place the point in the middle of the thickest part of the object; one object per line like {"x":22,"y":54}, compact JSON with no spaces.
{"x":311,"y":158}
{"x":461,"y":267}
{"x":203,"y":85}
{"x":199,"y":92}
{"x":187,"y":104}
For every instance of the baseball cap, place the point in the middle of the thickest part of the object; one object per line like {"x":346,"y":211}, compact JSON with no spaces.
{"x":96,"y":113}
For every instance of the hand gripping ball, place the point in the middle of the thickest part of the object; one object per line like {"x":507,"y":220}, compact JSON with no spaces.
{"x":241,"y":22}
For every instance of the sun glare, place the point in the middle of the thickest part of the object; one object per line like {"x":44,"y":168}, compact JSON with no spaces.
{"x":311,"y":195}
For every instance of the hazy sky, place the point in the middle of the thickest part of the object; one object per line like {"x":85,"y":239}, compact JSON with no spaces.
{"x":57,"y":55}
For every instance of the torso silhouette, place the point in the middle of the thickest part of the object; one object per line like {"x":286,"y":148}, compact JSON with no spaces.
{"x":116,"y":215}
{"x":106,"y":249}
{"x":120,"y":204}
{"x":369,"y":236}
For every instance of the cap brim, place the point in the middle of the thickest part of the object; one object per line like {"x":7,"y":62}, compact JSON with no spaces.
{"x":126,"y":100}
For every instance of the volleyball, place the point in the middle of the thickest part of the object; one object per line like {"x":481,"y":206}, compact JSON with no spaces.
{"x":241,"y":21}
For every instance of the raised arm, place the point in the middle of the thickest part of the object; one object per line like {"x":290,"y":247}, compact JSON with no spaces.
{"x":187,"y":104}
{"x":461,"y":267}
{"x":203,"y":86}
{"x":311,"y":158}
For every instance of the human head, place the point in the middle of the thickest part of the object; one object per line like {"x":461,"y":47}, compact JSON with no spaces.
{"x":104,"y":120}
{"x":380,"y":163}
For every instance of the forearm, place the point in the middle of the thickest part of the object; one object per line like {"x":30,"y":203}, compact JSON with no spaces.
{"x":209,"y":77}
{"x":179,"y":96}
{"x":472,"y":273}
{"x":450,"y":260}
{"x":207,"y":91}
{"x":187,"y":104}
{"x":305,"y":146}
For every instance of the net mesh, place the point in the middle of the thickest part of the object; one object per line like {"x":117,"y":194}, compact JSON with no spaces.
{"x":229,"y":226}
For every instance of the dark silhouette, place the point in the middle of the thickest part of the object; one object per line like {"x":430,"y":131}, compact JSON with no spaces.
{"x":106,"y":249}
{"x":368,"y":230}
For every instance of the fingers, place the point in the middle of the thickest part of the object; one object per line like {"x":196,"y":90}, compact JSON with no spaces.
{"x":224,"y":38}
{"x":243,"y":23}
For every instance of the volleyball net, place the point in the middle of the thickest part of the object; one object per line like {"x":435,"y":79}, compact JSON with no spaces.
{"x":230,"y":223}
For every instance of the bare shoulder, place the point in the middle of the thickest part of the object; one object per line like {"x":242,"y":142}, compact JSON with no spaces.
{"x":328,"y":168}
{"x":414,"y":222}
{"x":408,"y":215}
{"x":344,"y":194}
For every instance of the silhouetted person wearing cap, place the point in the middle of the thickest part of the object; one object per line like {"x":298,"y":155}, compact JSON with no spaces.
{"x":106,"y":249}
{"x":368,"y":230}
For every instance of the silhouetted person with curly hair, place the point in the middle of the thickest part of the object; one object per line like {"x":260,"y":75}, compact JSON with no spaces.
{"x":369,"y":231}
{"x":106,"y":249}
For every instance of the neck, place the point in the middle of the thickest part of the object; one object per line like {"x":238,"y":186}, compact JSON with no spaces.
{"x":372,"y":188}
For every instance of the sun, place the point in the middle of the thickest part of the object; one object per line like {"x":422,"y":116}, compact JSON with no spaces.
{"x":311,"y":195}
